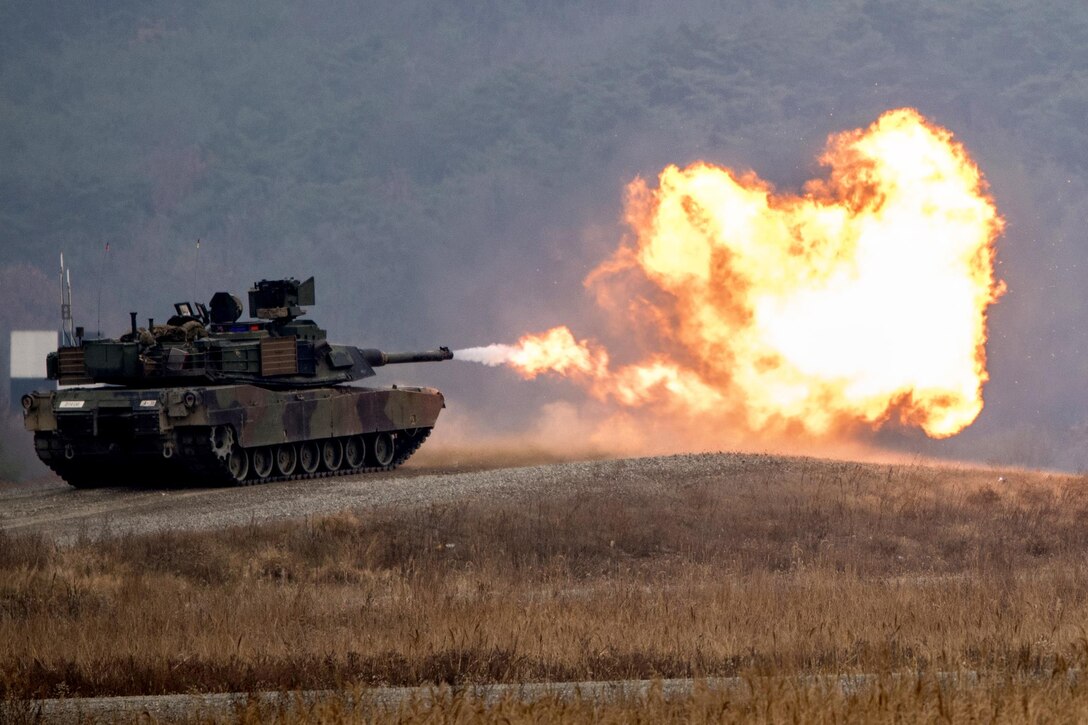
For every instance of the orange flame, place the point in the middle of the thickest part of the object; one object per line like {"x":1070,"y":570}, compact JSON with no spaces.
{"x":557,"y":351}
{"x":554,"y":351}
{"x":860,"y":300}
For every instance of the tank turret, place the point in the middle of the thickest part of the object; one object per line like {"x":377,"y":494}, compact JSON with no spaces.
{"x":208,"y":395}
{"x":210,"y":343}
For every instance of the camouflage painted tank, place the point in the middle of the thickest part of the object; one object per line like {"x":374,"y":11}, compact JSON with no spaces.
{"x":208,"y":399}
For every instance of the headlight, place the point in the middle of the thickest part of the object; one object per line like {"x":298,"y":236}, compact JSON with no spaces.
{"x":28,"y":402}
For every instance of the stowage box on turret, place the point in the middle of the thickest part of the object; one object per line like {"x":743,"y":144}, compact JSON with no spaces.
{"x":210,"y":399}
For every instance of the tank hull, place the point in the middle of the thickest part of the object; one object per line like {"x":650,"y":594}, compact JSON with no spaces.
{"x":226,"y":434}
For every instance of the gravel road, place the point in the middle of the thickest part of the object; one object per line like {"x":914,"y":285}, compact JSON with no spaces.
{"x":222,"y":705}
{"x":67,"y":514}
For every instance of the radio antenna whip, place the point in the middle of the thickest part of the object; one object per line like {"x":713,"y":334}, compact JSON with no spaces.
{"x":68,"y":331}
{"x":101,"y":276}
{"x":196,"y":261}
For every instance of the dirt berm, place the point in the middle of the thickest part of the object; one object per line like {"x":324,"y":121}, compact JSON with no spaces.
{"x":67,"y":514}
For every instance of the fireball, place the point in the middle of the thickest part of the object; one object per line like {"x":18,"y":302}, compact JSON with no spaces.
{"x":859,"y":300}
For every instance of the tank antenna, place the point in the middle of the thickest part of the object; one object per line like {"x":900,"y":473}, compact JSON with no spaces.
{"x":62,"y":310}
{"x":101,"y":276}
{"x":196,"y":260}
{"x":67,"y":325}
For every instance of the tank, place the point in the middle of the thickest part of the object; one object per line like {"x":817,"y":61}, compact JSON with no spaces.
{"x":210,"y":399}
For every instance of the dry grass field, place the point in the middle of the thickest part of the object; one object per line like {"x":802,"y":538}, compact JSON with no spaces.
{"x":769,"y":569}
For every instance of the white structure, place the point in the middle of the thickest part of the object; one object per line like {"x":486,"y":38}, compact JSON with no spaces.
{"x":27,"y":352}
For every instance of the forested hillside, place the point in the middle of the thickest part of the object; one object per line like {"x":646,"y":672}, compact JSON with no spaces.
{"x":451,"y":171}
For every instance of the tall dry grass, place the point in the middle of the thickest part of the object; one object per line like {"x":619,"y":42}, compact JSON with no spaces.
{"x":772,"y":567}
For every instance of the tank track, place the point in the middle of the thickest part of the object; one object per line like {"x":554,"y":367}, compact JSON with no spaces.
{"x":200,"y":466}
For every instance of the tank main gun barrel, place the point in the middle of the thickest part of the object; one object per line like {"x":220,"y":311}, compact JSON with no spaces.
{"x":377,"y":358}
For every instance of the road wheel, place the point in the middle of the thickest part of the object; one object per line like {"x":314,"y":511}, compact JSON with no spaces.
{"x":238,"y":464}
{"x":383,"y":449}
{"x":332,"y":454}
{"x":222,"y":441}
{"x":355,"y":452}
{"x":309,"y":457}
{"x":263,"y":462}
{"x":286,"y":458}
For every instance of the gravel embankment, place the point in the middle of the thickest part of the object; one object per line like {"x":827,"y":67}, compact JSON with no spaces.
{"x":67,"y":514}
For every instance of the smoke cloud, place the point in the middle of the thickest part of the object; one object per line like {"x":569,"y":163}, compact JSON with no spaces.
{"x":490,"y":355}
